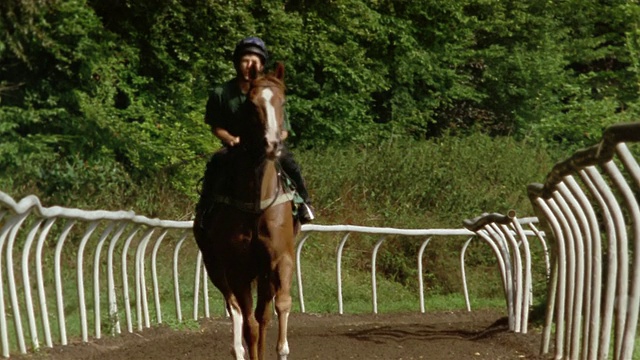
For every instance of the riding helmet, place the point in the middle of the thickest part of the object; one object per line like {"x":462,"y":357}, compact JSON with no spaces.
{"x":251,"y":45}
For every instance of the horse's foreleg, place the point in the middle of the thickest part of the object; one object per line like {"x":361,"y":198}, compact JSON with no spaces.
{"x":283,"y":304}
{"x":237,"y":351}
{"x":263,"y":311}
{"x":217,"y":275}
{"x":250,"y":325}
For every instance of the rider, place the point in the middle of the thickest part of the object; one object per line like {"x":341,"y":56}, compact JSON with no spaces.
{"x":223,"y":114}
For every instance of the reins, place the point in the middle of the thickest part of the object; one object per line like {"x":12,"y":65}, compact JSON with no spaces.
{"x":259,"y":179}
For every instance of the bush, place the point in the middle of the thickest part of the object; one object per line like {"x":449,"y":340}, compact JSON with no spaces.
{"x":424,"y":184}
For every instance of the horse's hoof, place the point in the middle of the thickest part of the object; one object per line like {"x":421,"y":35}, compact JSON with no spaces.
{"x":237,"y":355}
{"x":283,"y":351}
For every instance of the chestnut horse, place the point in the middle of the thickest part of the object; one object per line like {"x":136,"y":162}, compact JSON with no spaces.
{"x":247,"y":237}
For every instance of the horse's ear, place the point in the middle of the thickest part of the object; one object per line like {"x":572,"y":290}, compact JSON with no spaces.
{"x":280,"y":71}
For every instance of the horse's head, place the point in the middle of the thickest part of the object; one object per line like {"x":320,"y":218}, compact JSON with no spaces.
{"x":266,"y":98}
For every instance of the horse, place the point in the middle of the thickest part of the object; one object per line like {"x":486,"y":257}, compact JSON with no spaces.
{"x":247,"y":238}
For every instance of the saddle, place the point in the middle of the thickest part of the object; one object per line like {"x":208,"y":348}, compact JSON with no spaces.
{"x":216,"y":184}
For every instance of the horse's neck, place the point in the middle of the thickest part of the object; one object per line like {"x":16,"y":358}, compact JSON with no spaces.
{"x":254,"y":181}
{"x":269,"y":183}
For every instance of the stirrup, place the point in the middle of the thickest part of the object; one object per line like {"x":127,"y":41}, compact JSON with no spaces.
{"x":306,"y":213}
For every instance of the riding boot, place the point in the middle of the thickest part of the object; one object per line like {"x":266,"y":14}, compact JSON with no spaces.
{"x":292,"y":169}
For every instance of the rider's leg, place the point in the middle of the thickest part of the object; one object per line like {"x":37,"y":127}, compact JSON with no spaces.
{"x":292,"y":169}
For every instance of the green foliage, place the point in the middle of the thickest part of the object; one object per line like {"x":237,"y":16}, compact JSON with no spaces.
{"x":96,"y":96}
{"x":602,"y":87}
{"x":444,"y":179}
{"x":101,"y":103}
{"x":425,"y":184}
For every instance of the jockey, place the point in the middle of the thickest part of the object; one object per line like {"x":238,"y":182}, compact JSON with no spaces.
{"x":223,"y":115}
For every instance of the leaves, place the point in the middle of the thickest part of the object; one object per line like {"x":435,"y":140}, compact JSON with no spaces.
{"x":122,"y":85}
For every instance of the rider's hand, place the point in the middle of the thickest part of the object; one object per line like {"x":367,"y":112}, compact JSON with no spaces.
{"x":234,"y":141}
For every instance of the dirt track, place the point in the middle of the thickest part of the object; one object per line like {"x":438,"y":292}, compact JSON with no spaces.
{"x":435,"y":335}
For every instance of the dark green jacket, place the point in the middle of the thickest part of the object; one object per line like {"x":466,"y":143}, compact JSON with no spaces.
{"x":225,"y":108}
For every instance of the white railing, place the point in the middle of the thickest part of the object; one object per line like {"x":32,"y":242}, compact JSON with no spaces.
{"x":507,"y":237}
{"x":595,"y":281}
{"x":425,"y":234}
{"x":119,"y":245}
{"x":114,"y":225}
{"x":595,"y":276}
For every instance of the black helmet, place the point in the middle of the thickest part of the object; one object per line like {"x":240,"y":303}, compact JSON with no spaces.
{"x":251,"y":45}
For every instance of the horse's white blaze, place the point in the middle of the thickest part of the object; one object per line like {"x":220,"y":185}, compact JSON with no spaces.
{"x":236,"y":320}
{"x":272,"y":120}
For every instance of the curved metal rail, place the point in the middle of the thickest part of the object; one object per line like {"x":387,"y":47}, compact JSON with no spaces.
{"x":75,"y":232}
{"x":117,"y":247}
{"x":506,"y":236}
{"x":425,"y":234}
{"x":589,"y":202}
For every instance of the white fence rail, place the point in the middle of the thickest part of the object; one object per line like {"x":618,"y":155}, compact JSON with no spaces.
{"x":425,"y":234}
{"x":510,"y":244}
{"x":114,"y":226}
{"x":126,"y":249}
{"x":589,"y":202}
